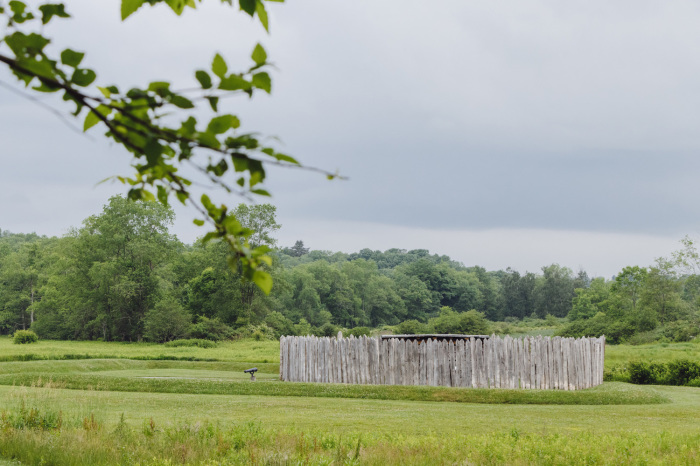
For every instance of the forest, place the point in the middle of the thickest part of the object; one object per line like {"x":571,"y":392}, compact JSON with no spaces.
{"x":123,"y":276}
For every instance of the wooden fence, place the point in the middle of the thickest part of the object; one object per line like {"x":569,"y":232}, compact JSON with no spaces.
{"x":495,"y":362}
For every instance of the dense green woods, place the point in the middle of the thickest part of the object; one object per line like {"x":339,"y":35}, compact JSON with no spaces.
{"x":124,"y":276}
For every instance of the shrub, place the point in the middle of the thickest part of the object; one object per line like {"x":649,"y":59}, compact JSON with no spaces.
{"x":256,"y":332}
{"x":22,"y":337}
{"x":191,"y":342}
{"x":616,"y":373}
{"x":210,"y":329}
{"x":411,"y":327}
{"x":681,"y":330}
{"x":303,"y":328}
{"x":328,"y":330}
{"x":645,"y":373}
{"x":682,"y":371}
{"x":360,"y":331}
{"x":166,"y":321}
{"x":280,"y":324}
{"x":469,"y":323}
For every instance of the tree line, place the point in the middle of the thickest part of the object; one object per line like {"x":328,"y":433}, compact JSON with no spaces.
{"x":123,"y":276}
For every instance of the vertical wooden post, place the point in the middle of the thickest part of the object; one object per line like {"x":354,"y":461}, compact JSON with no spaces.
{"x":474,"y":362}
{"x":457,"y":352}
{"x":383,"y":356}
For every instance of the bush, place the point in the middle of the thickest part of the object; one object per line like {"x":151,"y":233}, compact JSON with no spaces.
{"x":360,"y":331}
{"x":682,"y":371}
{"x":192,"y":342}
{"x":681,"y":330}
{"x":411,"y":327}
{"x":22,"y":337}
{"x":210,"y":329}
{"x":280,"y":324}
{"x":468,"y":323}
{"x":303,"y":328}
{"x":256,"y":332}
{"x":166,"y":321}
{"x":328,"y":330}
{"x":645,"y":373}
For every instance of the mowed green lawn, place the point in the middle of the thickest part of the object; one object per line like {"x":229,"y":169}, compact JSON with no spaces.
{"x":357,"y":415}
{"x":212,"y":411}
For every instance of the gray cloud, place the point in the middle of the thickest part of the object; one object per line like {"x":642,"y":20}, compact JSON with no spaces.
{"x":451,"y":115}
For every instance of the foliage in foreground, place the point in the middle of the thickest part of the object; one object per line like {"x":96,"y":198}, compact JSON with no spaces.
{"x":90,"y":441}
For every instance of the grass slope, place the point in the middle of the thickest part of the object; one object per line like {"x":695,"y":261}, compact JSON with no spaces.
{"x":229,"y":379}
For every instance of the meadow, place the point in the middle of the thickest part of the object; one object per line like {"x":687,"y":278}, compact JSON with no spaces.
{"x":196,"y":406}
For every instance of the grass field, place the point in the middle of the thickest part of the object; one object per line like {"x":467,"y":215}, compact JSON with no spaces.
{"x":125,"y":411}
{"x":240,"y":351}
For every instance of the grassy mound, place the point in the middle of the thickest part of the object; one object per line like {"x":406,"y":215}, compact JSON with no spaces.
{"x":129,"y":376}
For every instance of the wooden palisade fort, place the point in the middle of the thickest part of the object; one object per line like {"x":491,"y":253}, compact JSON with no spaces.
{"x":474,"y":361}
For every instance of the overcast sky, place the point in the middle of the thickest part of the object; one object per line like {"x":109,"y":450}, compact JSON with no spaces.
{"x":502,"y":133}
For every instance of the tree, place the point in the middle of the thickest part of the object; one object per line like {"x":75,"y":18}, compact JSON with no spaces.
{"x":226,"y":158}
{"x":518,"y":293}
{"x":628,"y":286}
{"x":660,"y":296}
{"x":114,"y":272}
{"x":297,"y":250}
{"x":554,"y":291}
{"x":166,"y":321}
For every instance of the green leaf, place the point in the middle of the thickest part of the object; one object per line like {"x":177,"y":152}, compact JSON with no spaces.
{"x":198,"y":222}
{"x":262,"y":81}
{"x":263,"y":280}
{"x":46,"y":87}
{"x":181,"y":102}
{"x":218,"y":66}
{"x":234,"y":83}
{"x":208,"y":139}
{"x":203,"y":78}
{"x":50,"y":10}
{"x":130,"y":6}
{"x":182,"y":197}
{"x":162,"y":195}
{"x":71,"y":58}
{"x":214,"y":103}
{"x":248,"y":6}
{"x":260,"y":192}
{"x":223,"y":123}
{"x":105,"y":91}
{"x":158,"y":85}
{"x":259,"y":55}
{"x":83,"y":77}
{"x":285,"y":158}
{"x":177,"y":5}
{"x":153,"y":152}
{"x":262,"y":15}
{"x":92,"y":118}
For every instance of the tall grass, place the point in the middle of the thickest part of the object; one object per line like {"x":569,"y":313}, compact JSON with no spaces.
{"x":250,"y":443}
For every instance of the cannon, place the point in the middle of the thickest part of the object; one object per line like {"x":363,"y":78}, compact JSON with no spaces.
{"x":251,"y":372}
